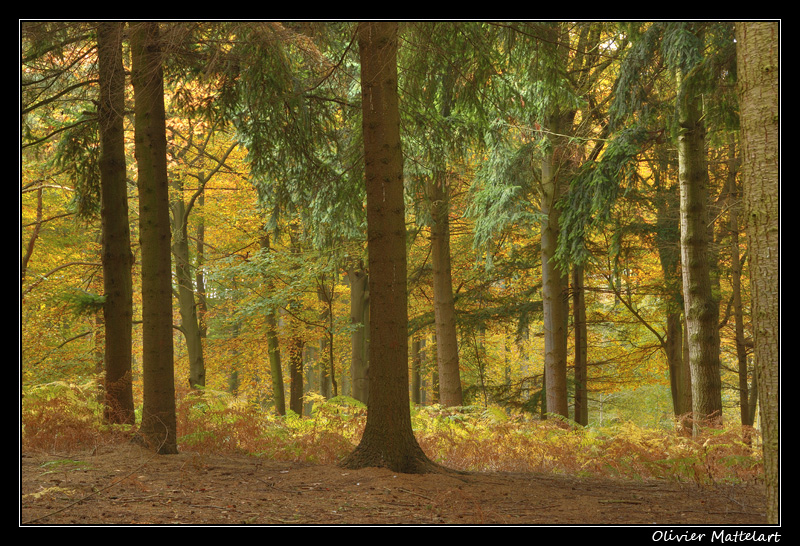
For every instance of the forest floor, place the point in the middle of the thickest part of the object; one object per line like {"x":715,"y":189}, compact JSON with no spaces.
{"x":127,"y":485}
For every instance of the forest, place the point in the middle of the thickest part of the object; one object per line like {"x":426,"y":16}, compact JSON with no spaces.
{"x":428,"y":248}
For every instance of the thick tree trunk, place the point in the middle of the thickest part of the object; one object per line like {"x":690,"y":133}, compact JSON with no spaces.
{"x":759,"y":87}
{"x":388,"y":439}
{"x":555,"y":166}
{"x":701,"y":310}
{"x":117,"y":256}
{"x":554,"y":289}
{"x":158,"y":412}
{"x":450,"y":393}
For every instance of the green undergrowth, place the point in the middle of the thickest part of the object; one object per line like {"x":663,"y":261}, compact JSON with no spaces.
{"x":60,"y":417}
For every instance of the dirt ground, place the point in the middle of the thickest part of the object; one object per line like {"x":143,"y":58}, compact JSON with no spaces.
{"x":125,"y":484}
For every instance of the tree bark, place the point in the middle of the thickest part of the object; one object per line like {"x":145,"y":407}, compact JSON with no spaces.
{"x":388,"y":439}
{"x":450,"y":392}
{"x":581,"y":347}
{"x":736,"y":290}
{"x":667,"y":203}
{"x":117,"y":257}
{"x":190,"y":325}
{"x":701,"y":310}
{"x":273,"y":347}
{"x":275,"y":370}
{"x":327,"y":363}
{"x":359,"y":313}
{"x":296,"y":374}
{"x":158,"y":427}
{"x":554,"y":287}
{"x":417,"y":348}
{"x":555,"y":282}
{"x":759,"y":87}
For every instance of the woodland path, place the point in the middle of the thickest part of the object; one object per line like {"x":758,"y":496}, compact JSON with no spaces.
{"x":124,"y":484}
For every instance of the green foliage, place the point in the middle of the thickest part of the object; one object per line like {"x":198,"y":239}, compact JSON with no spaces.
{"x":681,"y":47}
{"x":631,"y":94}
{"x":83,"y":303}
{"x":301,"y":146}
{"x":77,"y":155}
{"x":595,"y":189}
{"x":504,"y":195}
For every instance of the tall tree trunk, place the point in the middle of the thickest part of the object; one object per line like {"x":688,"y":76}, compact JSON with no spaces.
{"x":117,"y":256}
{"x":417,"y":348}
{"x":158,"y":412}
{"x":736,"y":290}
{"x":555,"y":283}
{"x":359,"y":309}
{"x":273,"y":348}
{"x":450,"y":393}
{"x":554,"y":287}
{"x":275,"y":370}
{"x":327,"y":367}
{"x":388,"y":439}
{"x":667,"y":204}
{"x":759,"y":87}
{"x":190,"y":325}
{"x":200,"y":279}
{"x":296,"y":374}
{"x":581,"y":347}
{"x":700,"y":308}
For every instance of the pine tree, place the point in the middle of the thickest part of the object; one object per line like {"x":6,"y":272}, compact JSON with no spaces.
{"x":158,"y":426}
{"x":758,"y":58}
{"x":117,"y":256}
{"x":388,"y":440}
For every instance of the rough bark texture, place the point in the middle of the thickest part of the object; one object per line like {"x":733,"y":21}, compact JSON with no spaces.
{"x":388,"y":440}
{"x":117,"y":257}
{"x":759,"y":87}
{"x":701,"y":310}
{"x":158,"y":411}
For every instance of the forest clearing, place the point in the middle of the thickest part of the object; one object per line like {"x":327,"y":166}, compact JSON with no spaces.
{"x":418,"y":272}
